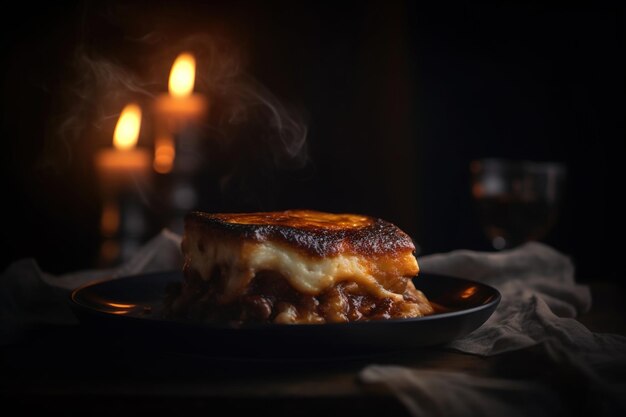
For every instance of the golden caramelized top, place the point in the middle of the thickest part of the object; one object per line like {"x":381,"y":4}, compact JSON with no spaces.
{"x":316,"y":233}
{"x":302,"y":219}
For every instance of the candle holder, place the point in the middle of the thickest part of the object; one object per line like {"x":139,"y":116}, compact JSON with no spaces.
{"x":123,"y":228}
{"x":124,"y":220}
{"x":179,"y":159}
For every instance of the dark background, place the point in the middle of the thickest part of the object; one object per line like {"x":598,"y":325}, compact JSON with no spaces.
{"x":399,"y":98}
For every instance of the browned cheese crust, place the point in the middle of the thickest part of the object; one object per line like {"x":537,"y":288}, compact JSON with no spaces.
{"x":296,"y":266}
{"x":316,"y":233}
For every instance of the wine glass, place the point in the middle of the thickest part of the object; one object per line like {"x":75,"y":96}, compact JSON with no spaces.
{"x":517,"y":200}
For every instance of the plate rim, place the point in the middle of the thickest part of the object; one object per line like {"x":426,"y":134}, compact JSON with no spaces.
{"x":72,"y":298}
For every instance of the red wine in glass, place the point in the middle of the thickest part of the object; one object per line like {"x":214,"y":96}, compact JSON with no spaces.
{"x":517,"y":201}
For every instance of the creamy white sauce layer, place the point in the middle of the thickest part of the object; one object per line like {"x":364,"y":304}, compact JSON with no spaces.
{"x":239,"y":262}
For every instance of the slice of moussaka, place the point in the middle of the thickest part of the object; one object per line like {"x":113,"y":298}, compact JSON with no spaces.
{"x":295,"y":266}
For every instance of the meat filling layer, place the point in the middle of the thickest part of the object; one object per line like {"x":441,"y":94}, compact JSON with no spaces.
{"x":270,"y":298}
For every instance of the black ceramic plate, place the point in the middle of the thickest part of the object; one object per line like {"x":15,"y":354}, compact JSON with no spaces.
{"x":129,"y":309}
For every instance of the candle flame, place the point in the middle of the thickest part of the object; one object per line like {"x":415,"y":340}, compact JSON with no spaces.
{"x":126,"y":132}
{"x":182,"y":75}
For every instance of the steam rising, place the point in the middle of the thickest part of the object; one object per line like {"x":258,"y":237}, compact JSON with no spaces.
{"x":291,"y":132}
{"x":99,"y":91}
{"x":251,"y":135}
{"x":242,"y":102}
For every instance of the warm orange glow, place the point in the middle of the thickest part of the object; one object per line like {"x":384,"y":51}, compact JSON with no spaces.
{"x":119,"y":305}
{"x":469,"y":291}
{"x":126,"y":132}
{"x":164,"y":154}
{"x":110,"y":219}
{"x":120,"y":308}
{"x":183,"y":75}
{"x":478,"y":191}
{"x":109,"y":251}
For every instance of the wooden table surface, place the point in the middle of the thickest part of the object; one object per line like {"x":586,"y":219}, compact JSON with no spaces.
{"x":58,"y":370}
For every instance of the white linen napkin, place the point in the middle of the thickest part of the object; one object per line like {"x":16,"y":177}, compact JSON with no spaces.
{"x":444,"y":393}
{"x":30,"y":297}
{"x":540,"y":300}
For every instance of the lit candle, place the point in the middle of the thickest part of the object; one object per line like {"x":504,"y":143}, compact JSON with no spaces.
{"x":118,"y":166}
{"x":181,"y":105}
